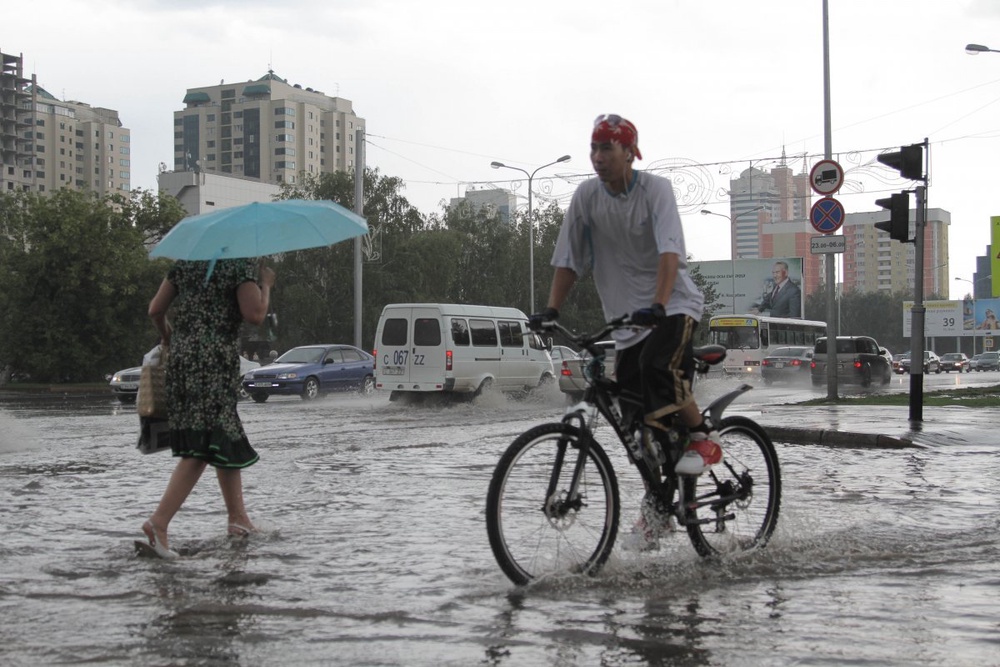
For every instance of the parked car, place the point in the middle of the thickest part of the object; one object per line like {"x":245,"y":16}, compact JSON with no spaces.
{"x":125,"y":384}
{"x":860,"y":360}
{"x":932,"y":363}
{"x":955,"y":361}
{"x":897,"y":359}
{"x":786,"y":363}
{"x":311,"y":370}
{"x":989,"y":361}
{"x":571,"y":379}
{"x":974,"y":362}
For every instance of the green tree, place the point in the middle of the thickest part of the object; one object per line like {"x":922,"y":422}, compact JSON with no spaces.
{"x":75,"y":281}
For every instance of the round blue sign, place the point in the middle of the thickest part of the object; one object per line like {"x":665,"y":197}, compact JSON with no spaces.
{"x":827,"y":215}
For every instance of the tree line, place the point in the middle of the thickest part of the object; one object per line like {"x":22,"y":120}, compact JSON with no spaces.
{"x":76,"y":277}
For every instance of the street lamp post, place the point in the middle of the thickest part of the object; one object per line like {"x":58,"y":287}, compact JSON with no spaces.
{"x":975,"y":335}
{"x":732,"y":248}
{"x":531,"y":220}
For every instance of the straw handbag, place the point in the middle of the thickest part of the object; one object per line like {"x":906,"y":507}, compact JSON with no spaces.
{"x":152,"y":398}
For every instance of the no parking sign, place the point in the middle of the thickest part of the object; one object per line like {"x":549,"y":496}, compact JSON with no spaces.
{"x":827,"y":215}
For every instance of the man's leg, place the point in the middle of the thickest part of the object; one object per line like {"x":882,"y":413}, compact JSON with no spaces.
{"x":667,"y":364}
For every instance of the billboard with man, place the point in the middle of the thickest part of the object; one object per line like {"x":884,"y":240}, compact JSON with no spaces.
{"x":756,"y":286}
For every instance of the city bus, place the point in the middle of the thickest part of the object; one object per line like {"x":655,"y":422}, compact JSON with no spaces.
{"x":749,"y":338}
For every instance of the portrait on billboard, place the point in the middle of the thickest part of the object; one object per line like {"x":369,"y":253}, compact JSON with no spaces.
{"x":756,"y":286}
{"x":781,"y":295}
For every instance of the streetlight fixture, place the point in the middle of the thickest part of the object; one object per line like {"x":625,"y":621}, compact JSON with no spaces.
{"x":732,"y":249}
{"x":531,"y":220}
{"x":976,"y":49}
{"x":975,"y":336}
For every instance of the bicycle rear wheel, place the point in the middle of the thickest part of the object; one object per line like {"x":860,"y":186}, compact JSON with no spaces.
{"x":734,"y":506}
{"x":534,"y":533}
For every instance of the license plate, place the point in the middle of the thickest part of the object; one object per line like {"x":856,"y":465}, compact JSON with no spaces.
{"x":262,"y":384}
{"x":128,"y":386}
{"x":392,"y":370}
{"x":779,"y":364}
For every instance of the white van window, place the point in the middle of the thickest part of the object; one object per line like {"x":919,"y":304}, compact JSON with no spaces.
{"x":394,"y":332}
{"x":460,"y":332}
{"x":484,"y":333}
{"x":510,"y":334}
{"x":426,"y":331}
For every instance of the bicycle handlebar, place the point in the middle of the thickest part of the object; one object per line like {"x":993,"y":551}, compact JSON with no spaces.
{"x":588,"y":341}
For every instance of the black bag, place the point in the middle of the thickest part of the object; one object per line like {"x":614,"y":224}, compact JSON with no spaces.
{"x":154,"y":435}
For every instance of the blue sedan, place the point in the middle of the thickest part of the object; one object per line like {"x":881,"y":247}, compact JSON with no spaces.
{"x":311,"y":370}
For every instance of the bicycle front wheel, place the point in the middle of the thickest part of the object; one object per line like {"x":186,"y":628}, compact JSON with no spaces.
{"x":538,"y":524}
{"x":734,"y":506}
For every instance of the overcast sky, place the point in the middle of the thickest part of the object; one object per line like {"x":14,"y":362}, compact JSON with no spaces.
{"x":447,"y":86}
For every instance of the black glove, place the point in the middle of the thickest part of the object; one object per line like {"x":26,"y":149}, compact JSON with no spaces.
{"x":647,"y":317}
{"x":538,"y":321}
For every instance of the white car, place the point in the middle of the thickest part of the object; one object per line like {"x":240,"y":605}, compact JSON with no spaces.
{"x":125,"y":384}
{"x":571,"y":379}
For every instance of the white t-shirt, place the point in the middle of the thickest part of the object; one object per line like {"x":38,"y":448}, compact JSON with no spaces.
{"x":621,"y":238}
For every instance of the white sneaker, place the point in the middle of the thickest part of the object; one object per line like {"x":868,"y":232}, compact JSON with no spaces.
{"x":702,"y":453}
{"x":648,"y":529}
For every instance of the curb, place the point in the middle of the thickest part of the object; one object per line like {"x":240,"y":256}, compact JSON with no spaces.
{"x":830,"y":438}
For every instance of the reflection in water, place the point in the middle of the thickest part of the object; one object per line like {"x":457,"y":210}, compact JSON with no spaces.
{"x":374,"y":551}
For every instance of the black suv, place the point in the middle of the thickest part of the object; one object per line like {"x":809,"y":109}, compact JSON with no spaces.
{"x":860,"y":360}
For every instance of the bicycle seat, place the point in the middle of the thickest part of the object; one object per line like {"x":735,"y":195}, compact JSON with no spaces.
{"x":710,"y":354}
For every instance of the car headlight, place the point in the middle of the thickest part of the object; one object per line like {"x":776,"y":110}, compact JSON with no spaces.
{"x":115,"y":378}
{"x":287,"y":376}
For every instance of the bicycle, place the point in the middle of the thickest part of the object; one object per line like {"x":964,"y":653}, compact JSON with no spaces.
{"x":553,"y":502}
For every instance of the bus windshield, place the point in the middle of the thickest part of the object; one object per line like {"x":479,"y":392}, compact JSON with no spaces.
{"x":736,"y":337}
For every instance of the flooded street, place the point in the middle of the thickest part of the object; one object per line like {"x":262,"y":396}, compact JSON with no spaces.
{"x":373,"y":551}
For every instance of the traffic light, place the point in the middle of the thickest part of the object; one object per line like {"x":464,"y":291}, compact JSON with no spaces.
{"x":908,"y":161}
{"x":898,"y":224}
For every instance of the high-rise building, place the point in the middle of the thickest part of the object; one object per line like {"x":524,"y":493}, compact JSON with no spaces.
{"x":770,"y":214}
{"x":47,"y":144}
{"x":875,"y":263}
{"x":266,"y":129}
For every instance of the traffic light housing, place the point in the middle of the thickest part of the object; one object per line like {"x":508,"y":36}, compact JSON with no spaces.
{"x":898,"y":224}
{"x":908,"y":161}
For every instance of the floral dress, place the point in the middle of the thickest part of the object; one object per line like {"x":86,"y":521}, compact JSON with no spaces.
{"x":203,"y":368}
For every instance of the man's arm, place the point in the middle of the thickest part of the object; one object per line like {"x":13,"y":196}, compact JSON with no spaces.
{"x":562,"y":282}
{"x":666,"y":276}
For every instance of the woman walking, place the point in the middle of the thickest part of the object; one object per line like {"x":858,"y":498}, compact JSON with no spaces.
{"x":202,"y":382}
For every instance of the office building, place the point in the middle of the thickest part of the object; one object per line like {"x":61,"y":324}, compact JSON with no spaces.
{"x":493,"y":200}
{"x":47,"y":144}
{"x":266,"y":129}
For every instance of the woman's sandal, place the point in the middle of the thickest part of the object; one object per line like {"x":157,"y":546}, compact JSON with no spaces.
{"x":158,"y":549}
{"x":240,"y":531}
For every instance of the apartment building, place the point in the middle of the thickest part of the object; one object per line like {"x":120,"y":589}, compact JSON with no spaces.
{"x":875,"y":263}
{"x":265,"y":129}
{"x":47,"y":143}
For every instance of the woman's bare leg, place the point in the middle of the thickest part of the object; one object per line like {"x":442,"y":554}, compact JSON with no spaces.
{"x":186,"y":474}
{"x":231,"y":485}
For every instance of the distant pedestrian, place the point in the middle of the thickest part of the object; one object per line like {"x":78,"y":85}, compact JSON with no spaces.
{"x":202,"y":382}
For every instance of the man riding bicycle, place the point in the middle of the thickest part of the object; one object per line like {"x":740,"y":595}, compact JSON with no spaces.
{"x":624,"y":224}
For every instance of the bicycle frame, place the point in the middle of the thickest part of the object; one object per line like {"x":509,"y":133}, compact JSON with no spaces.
{"x":599,"y":399}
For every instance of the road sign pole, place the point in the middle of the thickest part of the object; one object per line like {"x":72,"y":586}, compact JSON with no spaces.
{"x":917,"y":316}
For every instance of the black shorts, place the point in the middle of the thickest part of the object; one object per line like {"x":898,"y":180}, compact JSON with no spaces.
{"x":660,"y":367}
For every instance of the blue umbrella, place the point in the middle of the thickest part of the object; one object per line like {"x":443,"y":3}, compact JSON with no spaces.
{"x":261,"y":228}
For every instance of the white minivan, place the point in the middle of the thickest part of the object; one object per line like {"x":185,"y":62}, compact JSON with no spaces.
{"x":460,"y":349}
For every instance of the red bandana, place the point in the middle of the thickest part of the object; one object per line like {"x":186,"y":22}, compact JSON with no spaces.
{"x":617,"y":130}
